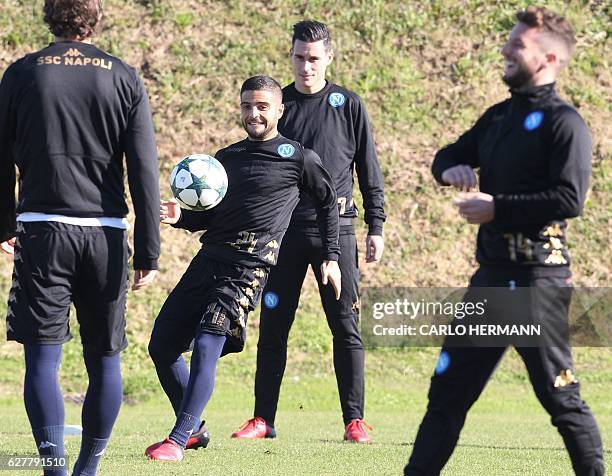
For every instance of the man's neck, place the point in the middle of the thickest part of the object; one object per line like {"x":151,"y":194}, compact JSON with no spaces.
{"x":547,"y":76}
{"x":59,"y":39}
{"x":270,"y":136}
{"x":534,"y":84}
{"x":313,"y":90}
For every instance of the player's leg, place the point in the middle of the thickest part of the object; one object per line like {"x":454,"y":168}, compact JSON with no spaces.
{"x":343,"y":320}
{"x":100,"y":408}
{"x":207,"y":349}
{"x":280,"y":300}
{"x":100,"y":298}
{"x":206,"y":352}
{"x":43,"y":400}
{"x":552,"y":377}
{"x":459,"y":378}
{"x":175,"y":328}
{"x":38,"y":309}
{"x":235,"y":292}
{"x":460,"y":375}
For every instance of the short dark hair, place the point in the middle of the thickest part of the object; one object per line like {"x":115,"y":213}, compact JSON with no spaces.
{"x":549,"y":23}
{"x":310,"y":31}
{"x":262,"y":82}
{"x":72,"y":18}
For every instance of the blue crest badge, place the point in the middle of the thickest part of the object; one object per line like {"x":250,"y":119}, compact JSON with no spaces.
{"x":270,"y":300}
{"x":533,"y":120}
{"x":336,"y":99}
{"x":443,"y":363}
{"x":285,"y":150}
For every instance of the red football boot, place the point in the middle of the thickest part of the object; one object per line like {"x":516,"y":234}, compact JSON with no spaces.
{"x":199,"y":439}
{"x":255,"y":428}
{"x":166,"y":450}
{"x":356,"y":431}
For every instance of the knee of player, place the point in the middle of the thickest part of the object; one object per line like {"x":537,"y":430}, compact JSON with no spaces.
{"x":344,"y":325}
{"x":157,"y":351}
{"x":565,"y":404}
{"x":452,"y":412}
{"x":448,"y":399}
{"x":349,"y":341}
{"x":101,"y":361}
{"x":272,"y":344}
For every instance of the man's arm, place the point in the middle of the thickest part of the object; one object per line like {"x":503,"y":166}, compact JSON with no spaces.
{"x":569,"y":172}
{"x":368,"y":171}
{"x":188,"y":219}
{"x":7,"y":160}
{"x":143,"y":179}
{"x":454,"y":163}
{"x":317,"y":183}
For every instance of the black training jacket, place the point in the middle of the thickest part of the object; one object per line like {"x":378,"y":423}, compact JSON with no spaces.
{"x":68,"y":115}
{"x":265,"y":180}
{"x":334,"y":123}
{"x":534,"y":155}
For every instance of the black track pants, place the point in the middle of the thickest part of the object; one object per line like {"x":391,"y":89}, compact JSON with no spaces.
{"x":280,"y":300}
{"x":458,"y":383}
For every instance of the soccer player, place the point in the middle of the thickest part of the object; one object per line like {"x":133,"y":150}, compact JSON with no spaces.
{"x":68,"y":115}
{"x":210,"y":304}
{"x":533,"y":151}
{"x":333,"y":122}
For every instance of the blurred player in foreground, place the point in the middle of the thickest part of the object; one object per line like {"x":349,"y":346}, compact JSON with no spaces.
{"x":210,"y":304}
{"x":68,"y":114}
{"x":333,"y":122}
{"x":534,"y":155}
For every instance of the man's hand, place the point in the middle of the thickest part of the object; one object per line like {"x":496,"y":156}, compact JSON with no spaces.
{"x":476,"y":207}
{"x":169,"y":212}
{"x":142,"y":278}
{"x":8,"y":246}
{"x":330,"y":271}
{"x":462,"y":177}
{"x":374,"y":248}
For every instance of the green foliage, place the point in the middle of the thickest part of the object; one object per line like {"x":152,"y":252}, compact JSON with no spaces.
{"x":183,"y":19}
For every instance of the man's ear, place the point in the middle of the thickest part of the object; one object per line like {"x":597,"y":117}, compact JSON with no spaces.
{"x":281,"y":110}
{"x":551,"y":61}
{"x":330,"y":57}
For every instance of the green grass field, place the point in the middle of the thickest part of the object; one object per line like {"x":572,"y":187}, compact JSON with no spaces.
{"x":507,"y":432}
{"x":426,"y":71}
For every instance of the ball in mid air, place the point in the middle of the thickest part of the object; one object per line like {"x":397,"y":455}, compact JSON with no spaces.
{"x":198,"y":182}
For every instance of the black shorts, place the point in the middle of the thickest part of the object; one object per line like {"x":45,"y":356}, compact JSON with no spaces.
{"x":56,"y":264}
{"x":214,"y":297}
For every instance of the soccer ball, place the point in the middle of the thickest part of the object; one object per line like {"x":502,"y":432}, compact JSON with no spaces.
{"x":198,"y":182}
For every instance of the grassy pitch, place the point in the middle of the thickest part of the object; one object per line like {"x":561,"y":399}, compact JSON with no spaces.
{"x":426,"y":71}
{"x":506,"y":433}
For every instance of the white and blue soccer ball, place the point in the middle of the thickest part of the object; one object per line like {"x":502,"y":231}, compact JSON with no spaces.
{"x":198,"y":182}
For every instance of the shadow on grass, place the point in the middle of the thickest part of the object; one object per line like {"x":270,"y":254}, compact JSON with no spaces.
{"x":467,"y":445}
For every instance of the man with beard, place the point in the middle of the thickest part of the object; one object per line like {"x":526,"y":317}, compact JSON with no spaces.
{"x":533,"y":151}
{"x":209,"y":306}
